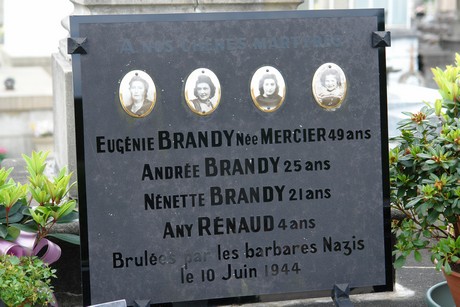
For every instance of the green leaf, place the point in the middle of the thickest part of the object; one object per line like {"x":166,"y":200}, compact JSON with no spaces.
{"x":2,"y":212}
{"x":447,"y":268}
{"x":399,"y":262}
{"x":438,"y":265}
{"x":67,"y":237}
{"x":432,"y":216}
{"x":13,"y":232}
{"x":420,"y":243}
{"x":14,"y":260}
{"x":41,"y":214}
{"x":3,"y":231}
{"x":65,"y":209}
{"x":13,"y":218}
{"x":25,"y":227}
{"x":15,"y":208}
{"x":71,"y":217}
{"x":425,"y":156}
{"x":417,"y":256}
{"x":413,"y":202}
{"x":438,"y":106}
{"x":410,"y":114}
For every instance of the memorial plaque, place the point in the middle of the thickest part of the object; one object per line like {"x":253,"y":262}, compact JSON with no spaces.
{"x":231,"y":154}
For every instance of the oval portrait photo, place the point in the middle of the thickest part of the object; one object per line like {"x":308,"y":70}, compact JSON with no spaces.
{"x":268,"y":89}
{"x":329,"y":86}
{"x":202,"y":91}
{"x":137,"y":93}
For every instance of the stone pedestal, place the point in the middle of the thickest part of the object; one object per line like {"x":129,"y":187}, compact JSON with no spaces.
{"x":110,"y":7}
{"x":65,"y":150}
{"x":64,"y":119}
{"x":451,"y":39}
{"x":440,"y":40}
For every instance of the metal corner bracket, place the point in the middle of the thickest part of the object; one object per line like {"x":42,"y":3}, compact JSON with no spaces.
{"x":381,"y":39}
{"x":76,"y":45}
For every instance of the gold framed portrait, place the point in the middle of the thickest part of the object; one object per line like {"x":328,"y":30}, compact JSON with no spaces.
{"x":268,"y":89}
{"x":202,"y":91}
{"x":329,"y":86}
{"x":137,"y":93}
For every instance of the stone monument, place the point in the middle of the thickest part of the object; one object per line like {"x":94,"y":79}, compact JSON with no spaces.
{"x":211,"y":151}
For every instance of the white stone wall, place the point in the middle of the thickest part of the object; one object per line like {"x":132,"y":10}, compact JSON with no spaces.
{"x":16,"y":131}
{"x":25,"y":111}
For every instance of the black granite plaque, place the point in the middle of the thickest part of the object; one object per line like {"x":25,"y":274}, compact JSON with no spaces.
{"x":231,"y":155}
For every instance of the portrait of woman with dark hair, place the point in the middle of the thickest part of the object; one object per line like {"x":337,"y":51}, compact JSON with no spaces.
{"x":266,"y":89}
{"x":137,"y":93}
{"x":203,"y":85}
{"x":204,"y":91}
{"x":329,"y":86}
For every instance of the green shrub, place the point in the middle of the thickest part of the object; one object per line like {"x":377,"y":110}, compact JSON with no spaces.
{"x":25,"y":281}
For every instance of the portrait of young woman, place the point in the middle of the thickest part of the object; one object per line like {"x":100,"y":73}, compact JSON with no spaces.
{"x":268,"y":89}
{"x":202,"y":91}
{"x":137,"y":93}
